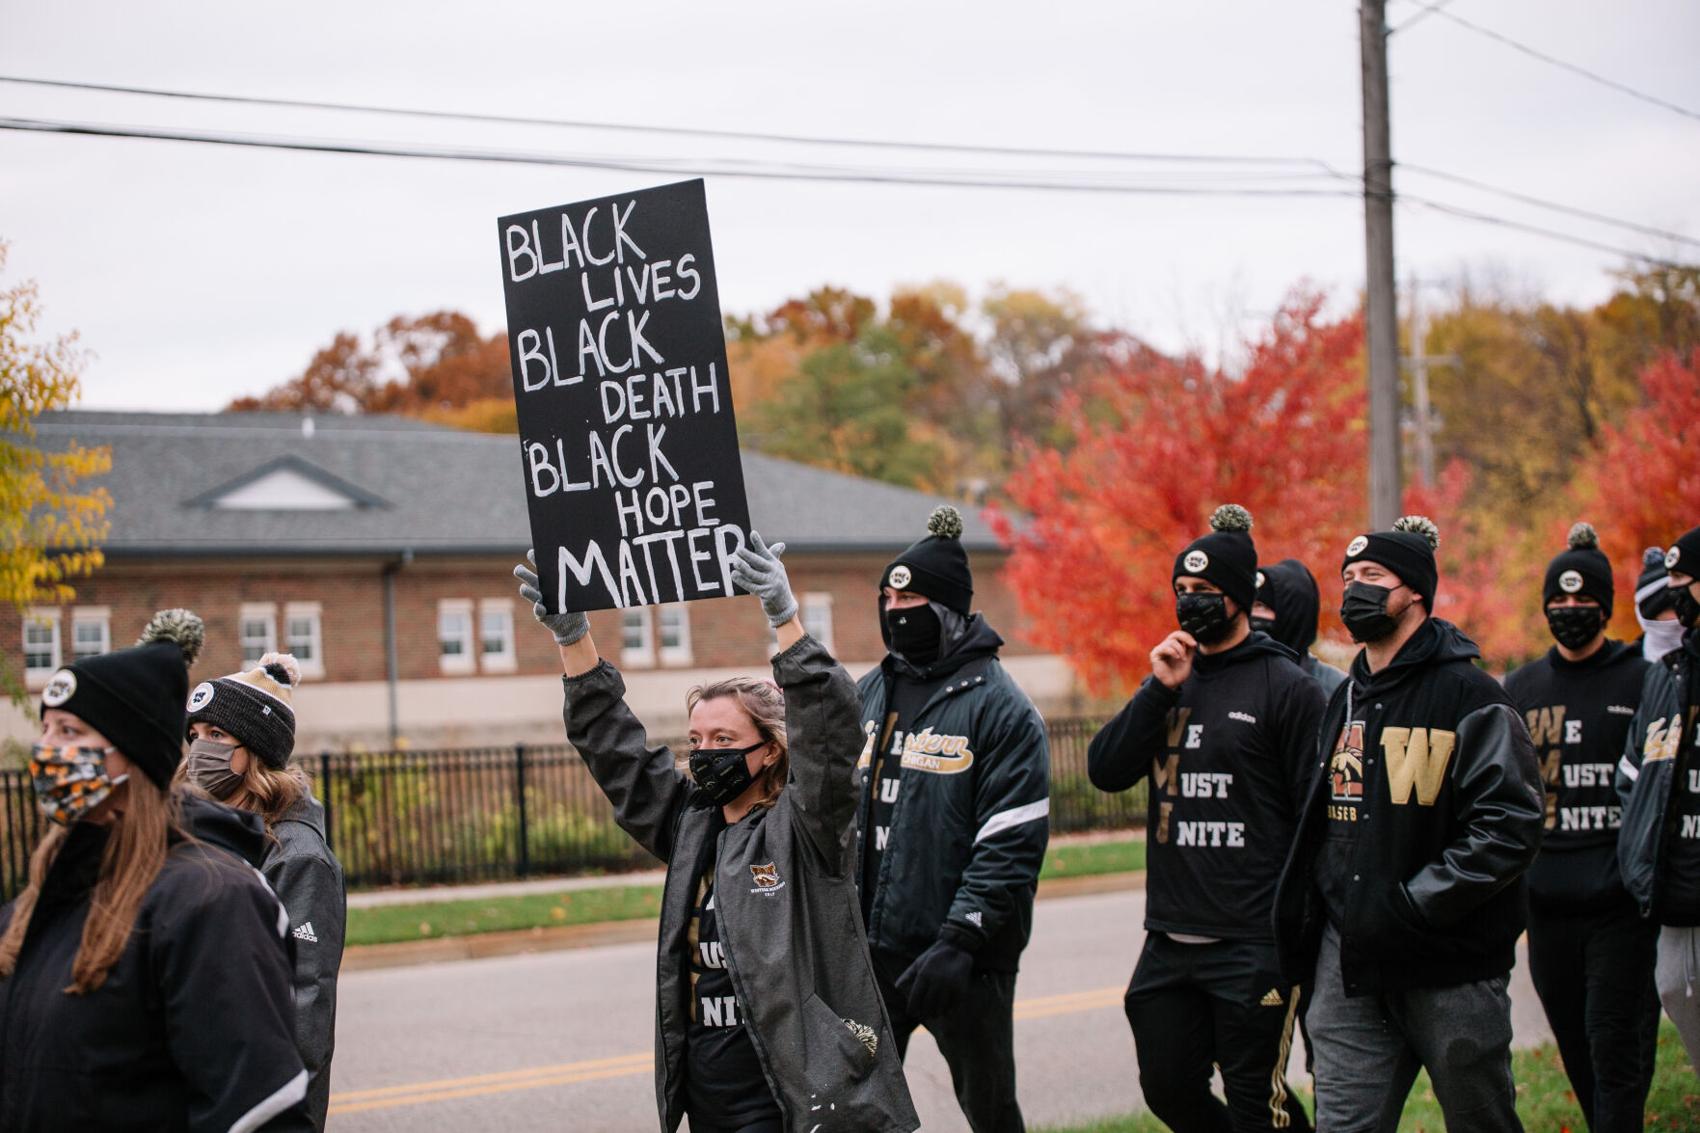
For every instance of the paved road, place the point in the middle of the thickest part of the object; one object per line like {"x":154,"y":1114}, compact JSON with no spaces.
{"x":561,"y":1040}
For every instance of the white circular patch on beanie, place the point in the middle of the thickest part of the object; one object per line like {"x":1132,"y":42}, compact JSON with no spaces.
{"x":201,"y":697}
{"x":1196,"y":561}
{"x":1570,"y":582}
{"x":1260,"y":580}
{"x":61,"y":688}
{"x":899,"y":577}
{"x":1672,"y":557}
{"x":1357,"y":546}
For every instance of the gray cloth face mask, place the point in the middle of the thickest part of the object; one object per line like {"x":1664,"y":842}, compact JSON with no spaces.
{"x":209,"y":768}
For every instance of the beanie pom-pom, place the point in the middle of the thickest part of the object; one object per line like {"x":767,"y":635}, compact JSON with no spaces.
{"x":945,"y":522}
{"x":1652,"y":557}
{"x":282,"y":668}
{"x":1583,"y":537}
{"x":1230,"y":517}
{"x":1419,"y":525}
{"x":183,"y":628}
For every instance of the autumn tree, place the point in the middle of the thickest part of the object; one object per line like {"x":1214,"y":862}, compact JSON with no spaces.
{"x":51,"y":518}
{"x":1154,"y":445}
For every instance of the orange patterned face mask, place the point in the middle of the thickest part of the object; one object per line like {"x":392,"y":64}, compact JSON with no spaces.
{"x":70,"y":781}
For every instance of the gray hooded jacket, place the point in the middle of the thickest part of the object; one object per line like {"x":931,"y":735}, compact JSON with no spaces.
{"x":789,"y":916}
{"x":307,"y":878}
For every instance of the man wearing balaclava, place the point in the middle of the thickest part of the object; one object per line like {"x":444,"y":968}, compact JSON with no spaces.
{"x":1590,"y":952}
{"x":1404,"y":894}
{"x":1225,"y":729}
{"x":953,"y":822}
{"x":1286,"y":608}
{"x":1658,"y":778}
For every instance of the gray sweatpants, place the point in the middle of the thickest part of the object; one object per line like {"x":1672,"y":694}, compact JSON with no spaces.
{"x":1367,"y":1049}
{"x":1678,"y":977}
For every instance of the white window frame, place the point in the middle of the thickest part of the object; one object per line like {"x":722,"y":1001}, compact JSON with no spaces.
{"x":256,"y":612}
{"x":466,"y":661}
{"x":637,"y":656}
{"x":314,"y":612}
{"x":96,"y":616}
{"x":679,"y":653}
{"x":503,"y":661}
{"x":37,"y":676}
{"x":817,"y":607}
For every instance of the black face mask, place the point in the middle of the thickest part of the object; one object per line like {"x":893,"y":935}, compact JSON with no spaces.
{"x":1363,"y":611}
{"x":914,"y":632}
{"x":1686,"y":607}
{"x":1263,"y":625}
{"x":1205,"y":616}
{"x":722,"y":773}
{"x":1575,"y":626}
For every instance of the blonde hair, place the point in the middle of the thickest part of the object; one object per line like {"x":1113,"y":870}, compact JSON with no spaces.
{"x":268,"y":791}
{"x":764,"y":704}
{"x":134,"y":854}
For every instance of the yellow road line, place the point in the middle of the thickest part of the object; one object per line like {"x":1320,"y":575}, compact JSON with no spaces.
{"x":598,"y":1069}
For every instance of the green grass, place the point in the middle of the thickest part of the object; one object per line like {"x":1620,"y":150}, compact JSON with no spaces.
{"x":1544,"y":1101}
{"x":431,"y":920}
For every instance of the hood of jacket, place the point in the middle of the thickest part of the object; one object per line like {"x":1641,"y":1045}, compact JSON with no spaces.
{"x":1207,"y":665}
{"x":977,"y":640}
{"x":1293,"y":595}
{"x":237,"y":831}
{"x":1436,"y":642}
{"x":309,"y":812}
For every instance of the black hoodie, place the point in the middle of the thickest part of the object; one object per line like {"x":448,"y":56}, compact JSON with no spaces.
{"x":1579,"y":713}
{"x":1423,"y":815}
{"x":193,"y":1028}
{"x":1229,"y":755}
{"x":1290,"y":590}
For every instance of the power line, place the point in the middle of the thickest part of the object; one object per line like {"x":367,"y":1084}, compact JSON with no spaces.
{"x":1555,"y":206}
{"x":1534,"y":53}
{"x":1420,"y":16}
{"x":1534,"y":229}
{"x":674,"y":131}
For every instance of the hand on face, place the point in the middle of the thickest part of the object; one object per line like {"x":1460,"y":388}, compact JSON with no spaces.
{"x":1171,"y":661}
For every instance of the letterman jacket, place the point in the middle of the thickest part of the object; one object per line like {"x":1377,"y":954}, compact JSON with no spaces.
{"x":1655,"y":760}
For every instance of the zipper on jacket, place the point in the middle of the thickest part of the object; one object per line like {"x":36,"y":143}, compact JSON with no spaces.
{"x":743,"y":999}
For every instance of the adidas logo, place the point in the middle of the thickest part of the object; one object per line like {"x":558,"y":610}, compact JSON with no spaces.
{"x":974,"y":918}
{"x":1273,"y":999}
{"x":305,"y":932}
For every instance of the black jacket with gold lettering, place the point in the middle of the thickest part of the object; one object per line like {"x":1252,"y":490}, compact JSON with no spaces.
{"x":1228,"y":754}
{"x":1662,"y":751}
{"x":1578,"y":713}
{"x":1450,"y":806}
{"x":969,"y":830}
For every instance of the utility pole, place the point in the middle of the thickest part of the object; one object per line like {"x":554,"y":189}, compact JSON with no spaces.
{"x":1381,"y":314}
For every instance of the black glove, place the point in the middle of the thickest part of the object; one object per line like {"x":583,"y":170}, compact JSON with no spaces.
{"x":937,"y":980}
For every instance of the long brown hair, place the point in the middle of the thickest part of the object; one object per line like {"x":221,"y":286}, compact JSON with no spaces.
{"x":268,"y":792}
{"x":134,"y":854}
{"x":764,"y":704}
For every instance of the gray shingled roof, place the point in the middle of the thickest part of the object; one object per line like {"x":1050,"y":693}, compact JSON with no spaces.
{"x":421,"y":487}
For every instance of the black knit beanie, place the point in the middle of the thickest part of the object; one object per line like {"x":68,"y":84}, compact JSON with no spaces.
{"x":936,"y":567}
{"x":254,"y":707}
{"x":134,"y":697}
{"x":1407,"y":551}
{"x":1684,"y":555}
{"x":1226,"y":557}
{"x":1652,"y":588}
{"x":1582,"y":568}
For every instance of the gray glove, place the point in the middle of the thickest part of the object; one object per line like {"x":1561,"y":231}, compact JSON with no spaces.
{"x":759,"y":571}
{"x":567,"y":627}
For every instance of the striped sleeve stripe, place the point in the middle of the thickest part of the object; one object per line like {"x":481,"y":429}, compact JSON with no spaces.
{"x":1629,"y":769}
{"x":1015,"y":816}
{"x":289,"y":1094}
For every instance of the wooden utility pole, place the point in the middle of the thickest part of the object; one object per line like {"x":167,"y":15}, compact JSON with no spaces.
{"x":1381,"y":314}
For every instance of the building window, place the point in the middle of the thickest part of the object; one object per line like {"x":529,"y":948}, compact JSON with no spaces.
{"x":637,"y":644}
{"x":454,"y":635}
{"x":301,"y":635}
{"x":817,"y":618}
{"x":675,"y":634}
{"x":496,"y":634}
{"x":91,"y":631}
{"x":257,"y":627}
{"x":41,"y":646}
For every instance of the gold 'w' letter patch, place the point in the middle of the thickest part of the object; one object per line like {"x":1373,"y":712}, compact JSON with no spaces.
{"x":1417,"y":757}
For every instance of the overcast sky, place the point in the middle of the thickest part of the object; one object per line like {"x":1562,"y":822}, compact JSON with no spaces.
{"x":199,"y":273}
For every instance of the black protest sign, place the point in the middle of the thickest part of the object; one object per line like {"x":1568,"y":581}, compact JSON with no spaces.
{"x":627,"y":438}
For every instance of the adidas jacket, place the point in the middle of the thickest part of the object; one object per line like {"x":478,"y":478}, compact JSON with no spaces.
{"x":192,"y":1030}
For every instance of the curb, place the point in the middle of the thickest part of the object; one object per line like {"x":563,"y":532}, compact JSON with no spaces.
{"x":520,"y":942}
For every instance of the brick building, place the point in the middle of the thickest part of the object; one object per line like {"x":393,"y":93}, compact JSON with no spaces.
{"x":378,"y":550}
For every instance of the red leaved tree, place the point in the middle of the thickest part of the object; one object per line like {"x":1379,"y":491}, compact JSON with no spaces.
{"x":1154,"y":445}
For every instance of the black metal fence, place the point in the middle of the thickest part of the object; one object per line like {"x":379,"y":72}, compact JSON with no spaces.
{"x":488,"y":814}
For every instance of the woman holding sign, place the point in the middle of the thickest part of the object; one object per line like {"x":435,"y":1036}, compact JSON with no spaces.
{"x":768,"y":1019}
